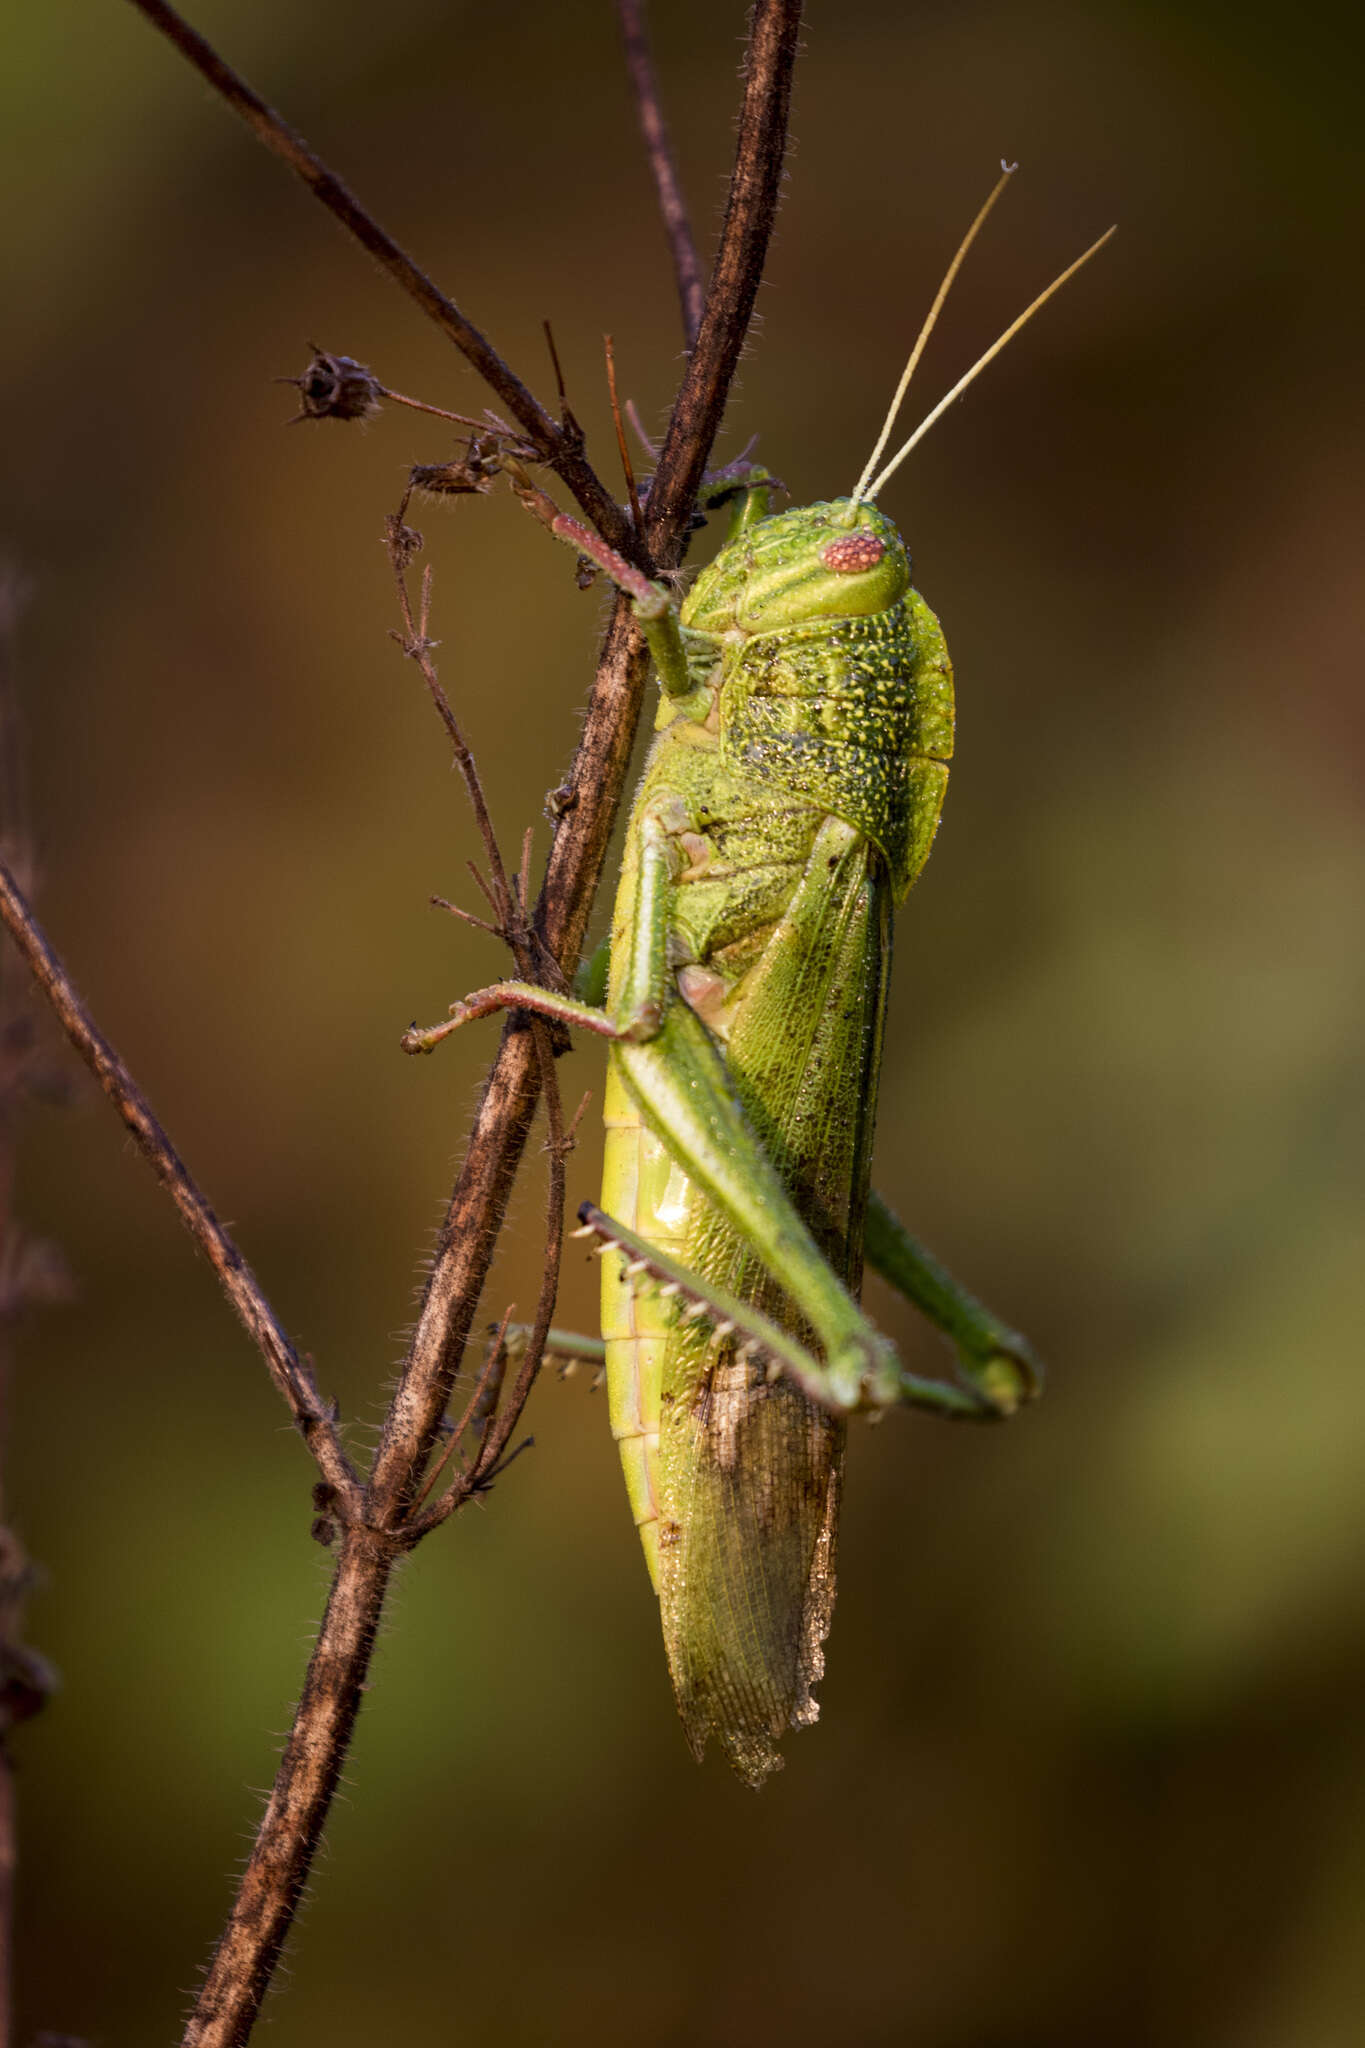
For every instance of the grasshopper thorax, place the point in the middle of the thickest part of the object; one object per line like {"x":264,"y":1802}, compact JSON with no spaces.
{"x":836,"y":561}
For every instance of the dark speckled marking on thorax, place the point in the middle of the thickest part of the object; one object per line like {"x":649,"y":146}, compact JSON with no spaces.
{"x":826,"y":711}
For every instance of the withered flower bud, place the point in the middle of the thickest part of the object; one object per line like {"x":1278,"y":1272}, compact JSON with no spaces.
{"x":472,"y":471}
{"x":336,"y":388}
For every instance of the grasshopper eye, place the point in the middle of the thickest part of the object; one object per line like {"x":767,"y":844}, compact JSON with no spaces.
{"x":853,"y":554}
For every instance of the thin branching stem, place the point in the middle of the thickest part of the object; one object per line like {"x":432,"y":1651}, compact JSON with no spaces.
{"x":508,"y":901}
{"x":750,"y":211}
{"x":558,"y":1145}
{"x":622,"y":445}
{"x":484,"y":1398}
{"x":672,"y":206}
{"x":504,"y":898}
{"x":480,"y":924}
{"x":417,"y":644}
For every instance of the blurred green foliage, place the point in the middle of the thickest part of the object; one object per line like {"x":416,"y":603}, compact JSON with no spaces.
{"x":1092,"y":1760}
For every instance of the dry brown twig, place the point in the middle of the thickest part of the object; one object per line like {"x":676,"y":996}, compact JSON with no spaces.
{"x":384,"y":1515}
{"x":687,"y":269}
{"x":535,"y":961}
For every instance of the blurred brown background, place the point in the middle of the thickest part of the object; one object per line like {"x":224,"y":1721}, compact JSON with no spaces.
{"x":1092,"y":1759}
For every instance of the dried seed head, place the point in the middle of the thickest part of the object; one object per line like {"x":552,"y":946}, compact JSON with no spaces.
{"x":404,"y":544}
{"x":472,"y":471}
{"x":336,"y":388}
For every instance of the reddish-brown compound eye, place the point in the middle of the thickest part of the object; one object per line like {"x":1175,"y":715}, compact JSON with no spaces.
{"x":853,"y":553}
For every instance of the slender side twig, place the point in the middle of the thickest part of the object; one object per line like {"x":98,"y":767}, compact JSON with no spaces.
{"x":493,"y":1455}
{"x":672,"y":205}
{"x":559,"y":1144}
{"x":509,"y":904}
{"x":316,"y":1420}
{"x":562,"y":451}
{"x":417,"y":644}
{"x":622,"y":445}
{"x":478,"y":1408}
{"x":505,"y":900}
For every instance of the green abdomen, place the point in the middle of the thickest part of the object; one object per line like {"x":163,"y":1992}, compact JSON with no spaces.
{"x":733,"y":1482}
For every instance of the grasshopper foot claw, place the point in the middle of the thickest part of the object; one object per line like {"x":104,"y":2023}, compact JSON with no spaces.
{"x":1008,"y":1377}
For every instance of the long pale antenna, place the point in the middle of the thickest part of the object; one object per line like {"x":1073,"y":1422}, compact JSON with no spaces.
{"x":1006,"y":173}
{"x":875,"y":489}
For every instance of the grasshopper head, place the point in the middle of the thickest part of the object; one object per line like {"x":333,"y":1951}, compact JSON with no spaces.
{"x":836,"y":561}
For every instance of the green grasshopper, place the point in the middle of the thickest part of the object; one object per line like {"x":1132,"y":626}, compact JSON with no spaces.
{"x":788,"y":803}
